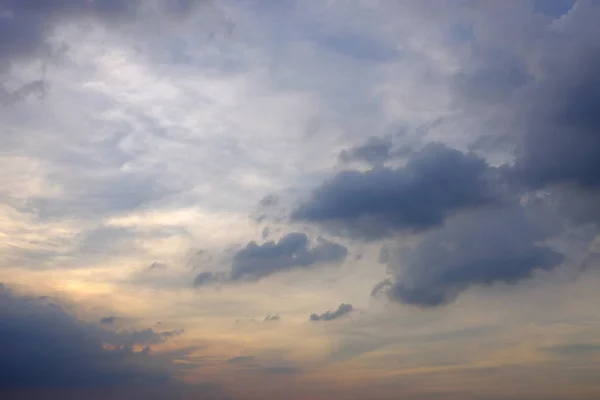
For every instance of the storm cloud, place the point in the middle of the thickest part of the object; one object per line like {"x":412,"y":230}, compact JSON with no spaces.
{"x":43,"y":346}
{"x":436,"y":182}
{"x":561,"y":144}
{"x":473,"y":229}
{"x":546,"y":101}
{"x":293,"y":251}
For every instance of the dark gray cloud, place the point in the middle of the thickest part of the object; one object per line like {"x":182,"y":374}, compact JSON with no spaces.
{"x":539,"y":101}
{"x":108,"y":320}
{"x":291,"y":251}
{"x":554,"y":8}
{"x":436,"y":182}
{"x":342,"y":310}
{"x":495,"y":79}
{"x":481,"y":247}
{"x":272,"y":318}
{"x":548,"y":113}
{"x":561,"y":144}
{"x":158,"y":266}
{"x":375,"y":151}
{"x":256,"y":261}
{"x":204,"y":278}
{"x":546,"y":100}
{"x":26,"y":25}
{"x":43,"y":346}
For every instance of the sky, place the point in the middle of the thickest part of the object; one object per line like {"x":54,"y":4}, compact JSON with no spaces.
{"x":300,"y":199}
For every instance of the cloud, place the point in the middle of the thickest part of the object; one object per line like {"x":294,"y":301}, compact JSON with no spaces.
{"x":158,"y":266}
{"x":266,"y":320}
{"x":436,"y":182}
{"x":555,"y":8}
{"x":37,"y":87}
{"x":241,"y":359}
{"x":43,"y":346}
{"x":26,"y":26}
{"x":342,"y":310}
{"x":293,"y":251}
{"x":375,"y":151}
{"x":481,"y":247}
{"x":108,"y":320}
{"x":284,"y":370}
{"x":591,"y":350}
{"x":114,"y":191}
{"x":544,"y":100}
{"x":205,"y":278}
{"x":534,"y":107}
{"x":561,"y":144}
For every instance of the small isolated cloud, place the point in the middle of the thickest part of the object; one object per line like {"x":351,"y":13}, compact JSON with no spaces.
{"x":158,"y":266}
{"x":342,"y":310}
{"x":436,"y":182}
{"x":272,"y":318}
{"x":266,"y":320}
{"x":293,"y":251}
{"x":108,"y":320}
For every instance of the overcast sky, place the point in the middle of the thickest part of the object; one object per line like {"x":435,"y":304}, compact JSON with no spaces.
{"x":300,"y":199}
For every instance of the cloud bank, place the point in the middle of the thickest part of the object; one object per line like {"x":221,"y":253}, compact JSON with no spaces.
{"x":43,"y":346}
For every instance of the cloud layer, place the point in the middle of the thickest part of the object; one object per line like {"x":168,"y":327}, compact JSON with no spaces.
{"x":456,"y":140}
